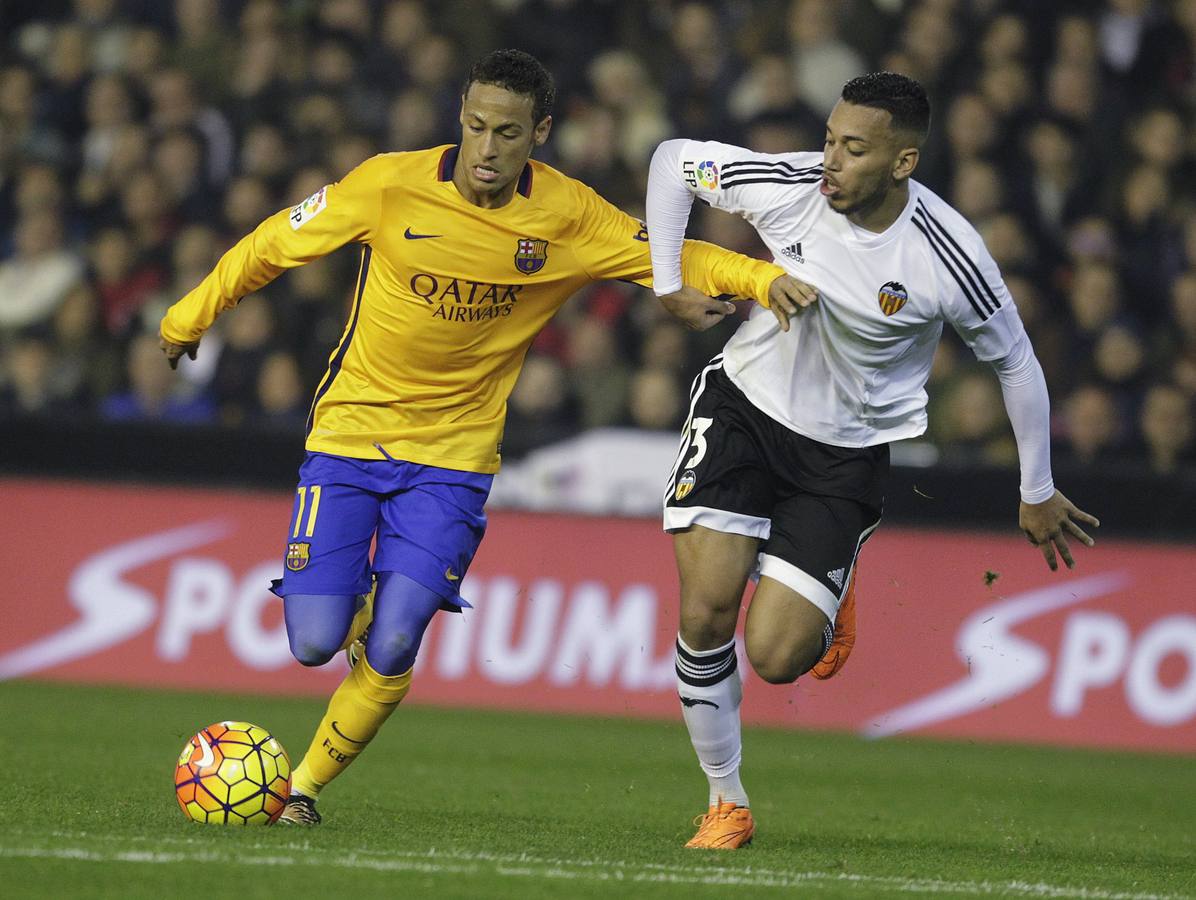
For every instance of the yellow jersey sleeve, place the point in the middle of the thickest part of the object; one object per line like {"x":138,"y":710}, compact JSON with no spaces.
{"x":612,"y":244}
{"x":333,"y":216}
{"x":715,"y":271}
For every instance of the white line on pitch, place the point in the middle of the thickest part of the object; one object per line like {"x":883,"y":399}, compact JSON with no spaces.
{"x":525,"y":866}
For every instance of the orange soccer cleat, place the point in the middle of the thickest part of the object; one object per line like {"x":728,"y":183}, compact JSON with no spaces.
{"x":844,"y":638}
{"x":725,"y":827}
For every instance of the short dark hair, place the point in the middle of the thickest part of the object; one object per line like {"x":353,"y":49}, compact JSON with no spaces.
{"x":518,"y":72}
{"x":899,"y":95}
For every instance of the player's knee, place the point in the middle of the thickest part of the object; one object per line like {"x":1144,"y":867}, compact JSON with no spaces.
{"x":311,"y":652}
{"x":707,"y":621}
{"x":783,"y":662}
{"x":392,"y":653}
{"x":776,"y":669}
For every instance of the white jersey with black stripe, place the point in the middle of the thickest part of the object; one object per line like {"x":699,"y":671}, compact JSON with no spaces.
{"x":852,"y":369}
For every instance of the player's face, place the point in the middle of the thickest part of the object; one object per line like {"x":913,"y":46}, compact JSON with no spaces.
{"x":497,"y":137}
{"x":864,"y":160}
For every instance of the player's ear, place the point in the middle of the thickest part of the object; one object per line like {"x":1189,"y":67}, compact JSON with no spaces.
{"x":906,"y":162}
{"x":540,"y":133}
{"x":461,"y":114}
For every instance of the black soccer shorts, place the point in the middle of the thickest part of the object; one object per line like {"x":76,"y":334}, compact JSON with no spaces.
{"x":812,"y":504}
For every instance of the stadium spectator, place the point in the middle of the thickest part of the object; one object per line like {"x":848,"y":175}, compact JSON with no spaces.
{"x":541,"y":410}
{"x":655,"y":401}
{"x":27,"y":379}
{"x":40,"y":272}
{"x":87,"y":363}
{"x":281,"y":398}
{"x":178,"y":163}
{"x":23,"y":135}
{"x":123,"y":283}
{"x":597,"y":375}
{"x":247,"y":339}
{"x":822,"y":60}
{"x":174,"y":105}
{"x":703,"y":64}
{"x":1092,"y":432}
{"x":200,"y":47}
{"x":1067,"y":130}
{"x":1167,"y":427}
{"x":970,"y":424}
{"x":108,"y":109}
{"x":154,"y":393}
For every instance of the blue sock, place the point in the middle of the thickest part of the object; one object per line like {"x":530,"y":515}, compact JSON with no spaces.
{"x":317,"y":624}
{"x":402,"y":611}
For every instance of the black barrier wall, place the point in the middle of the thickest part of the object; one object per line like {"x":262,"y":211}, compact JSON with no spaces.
{"x":1130,"y":501}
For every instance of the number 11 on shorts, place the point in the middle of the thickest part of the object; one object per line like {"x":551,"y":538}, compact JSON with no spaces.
{"x":315,"y":510}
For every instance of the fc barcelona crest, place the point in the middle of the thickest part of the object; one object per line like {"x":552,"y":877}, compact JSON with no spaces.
{"x":298,"y":553}
{"x":892,"y":296}
{"x":530,"y":255}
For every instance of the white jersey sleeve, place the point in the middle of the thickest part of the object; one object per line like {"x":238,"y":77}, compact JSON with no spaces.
{"x":977,"y":303}
{"x":1028,"y":406}
{"x":757,"y":186}
{"x":973,"y":295}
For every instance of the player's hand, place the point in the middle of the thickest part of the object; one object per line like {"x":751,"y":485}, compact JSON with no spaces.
{"x":175,"y":351}
{"x":695,"y":309}
{"x":787,"y":295}
{"x":1047,"y":525}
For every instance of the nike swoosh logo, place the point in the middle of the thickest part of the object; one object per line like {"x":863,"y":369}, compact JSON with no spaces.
{"x":448,"y":573}
{"x":687,"y":702}
{"x":345,"y":736}
{"x":208,"y":757}
{"x":412,"y":236}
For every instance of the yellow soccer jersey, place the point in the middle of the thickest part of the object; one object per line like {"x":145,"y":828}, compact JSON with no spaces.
{"x":449,"y":297}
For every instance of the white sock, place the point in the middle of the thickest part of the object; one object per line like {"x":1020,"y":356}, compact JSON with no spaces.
{"x":710,"y":689}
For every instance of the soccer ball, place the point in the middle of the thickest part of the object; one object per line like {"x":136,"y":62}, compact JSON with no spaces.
{"x":233,"y":773}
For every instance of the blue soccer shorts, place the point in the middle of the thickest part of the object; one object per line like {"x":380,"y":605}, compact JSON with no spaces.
{"x":425,"y":522}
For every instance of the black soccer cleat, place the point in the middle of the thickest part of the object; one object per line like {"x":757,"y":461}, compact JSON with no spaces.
{"x":300,"y":810}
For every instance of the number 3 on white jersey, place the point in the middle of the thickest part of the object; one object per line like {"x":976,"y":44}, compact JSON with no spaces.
{"x":698,"y":426}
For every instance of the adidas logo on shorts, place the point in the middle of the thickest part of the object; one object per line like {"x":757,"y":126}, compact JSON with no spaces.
{"x":836,"y":575}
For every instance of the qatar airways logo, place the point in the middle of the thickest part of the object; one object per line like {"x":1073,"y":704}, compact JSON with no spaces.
{"x":1095,"y":651}
{"x":579,"y":634}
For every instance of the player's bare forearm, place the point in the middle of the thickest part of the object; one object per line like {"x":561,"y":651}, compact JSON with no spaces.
{"x":695,"y":309}
{"x":1048,"y":524}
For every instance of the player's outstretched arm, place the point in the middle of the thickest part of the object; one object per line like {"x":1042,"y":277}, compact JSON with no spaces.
{"x":695,"y":309}
{"x":1048,"y":524}
{"x":786,"y":295}
{"x":330,"y":218}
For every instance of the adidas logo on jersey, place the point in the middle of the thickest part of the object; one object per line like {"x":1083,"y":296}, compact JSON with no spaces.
{"x":836,"y":575}
{"x":793,"y":251}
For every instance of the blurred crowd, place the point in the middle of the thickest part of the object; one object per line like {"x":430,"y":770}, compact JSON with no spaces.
{"x":139,"y":139}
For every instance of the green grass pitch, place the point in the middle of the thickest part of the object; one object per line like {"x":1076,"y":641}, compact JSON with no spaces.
{"x":452,"y":803}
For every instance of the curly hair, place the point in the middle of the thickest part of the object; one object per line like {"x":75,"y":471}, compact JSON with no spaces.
{"x":518,"y":72}
{"x":901,"y":96}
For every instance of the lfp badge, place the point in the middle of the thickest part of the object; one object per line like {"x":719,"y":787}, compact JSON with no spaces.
{"x":530,"y":255}
{"x":707,"y":173}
